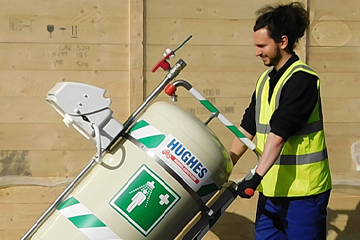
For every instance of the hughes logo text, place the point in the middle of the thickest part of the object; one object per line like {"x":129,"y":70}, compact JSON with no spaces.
{"x":187,"y":157}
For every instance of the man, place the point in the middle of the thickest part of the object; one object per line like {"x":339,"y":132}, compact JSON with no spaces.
{"x":292,"y":175}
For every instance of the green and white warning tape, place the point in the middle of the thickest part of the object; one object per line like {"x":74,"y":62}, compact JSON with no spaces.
{"x":83,"y":219}
{"x":209,"y":106}
{"x":147,"y":134}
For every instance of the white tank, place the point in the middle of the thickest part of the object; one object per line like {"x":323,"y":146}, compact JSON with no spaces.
{"x":134,"y":193}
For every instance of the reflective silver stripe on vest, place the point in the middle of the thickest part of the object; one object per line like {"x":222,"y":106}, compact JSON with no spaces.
{"x":302,"y":159}
{"x":265,"y":128}
{"x":307,"y":129}
{"x":261,"y":128}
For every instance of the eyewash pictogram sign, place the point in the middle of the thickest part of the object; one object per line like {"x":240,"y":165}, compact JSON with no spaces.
{"x":144,"y":200}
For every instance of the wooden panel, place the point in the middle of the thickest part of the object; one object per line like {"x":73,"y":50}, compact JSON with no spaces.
{"x":41,"y":137}
{"x":204,"y":31}
{"x":92,"y":46}
{"x":80,"y":57}
{"x":336,"y":9}
{"x":341,"y":109}
{"x":21,"y":206}
{"x":37,"y":110}
{"x":12,"y":234}
{"x":63,"y":8}
{"x":205,"y":9}
{"x":77,"y":30}
{"x":20,"y":216}
{"x":337,"y":85}
{"x":73,"y":21}
{"x":340,"y":137}
{"x":333,"y":42}
{"x":334,"y":33}
{"x":59,"y":164}
{"x":20,"y":194}
{"x":136,"y":53}
{"x":32,"y":83}
{"x":334,"y":59}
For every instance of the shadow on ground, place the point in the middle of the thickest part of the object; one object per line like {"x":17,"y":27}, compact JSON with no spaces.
{"x":232,"y":226}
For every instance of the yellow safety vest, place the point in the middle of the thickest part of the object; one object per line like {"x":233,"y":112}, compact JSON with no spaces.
{"x":302,"y":169}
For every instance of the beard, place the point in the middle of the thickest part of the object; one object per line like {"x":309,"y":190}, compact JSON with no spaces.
{"x":273,"y":60}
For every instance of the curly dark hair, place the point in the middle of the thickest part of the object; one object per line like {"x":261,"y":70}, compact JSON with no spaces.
{"x":290,"y":20}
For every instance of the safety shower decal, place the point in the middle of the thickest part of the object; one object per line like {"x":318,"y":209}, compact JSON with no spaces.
{"x":145,"y":194}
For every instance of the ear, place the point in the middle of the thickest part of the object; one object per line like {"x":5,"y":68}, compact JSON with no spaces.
{"x":283,"y":42}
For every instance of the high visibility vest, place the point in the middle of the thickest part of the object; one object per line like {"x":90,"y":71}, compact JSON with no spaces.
{"x":302,"y":168}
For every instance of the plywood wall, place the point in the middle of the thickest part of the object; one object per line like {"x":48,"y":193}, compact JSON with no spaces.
{"x":332,"y":52}
{"x":114,"y":45}
{"x":90,"y":43}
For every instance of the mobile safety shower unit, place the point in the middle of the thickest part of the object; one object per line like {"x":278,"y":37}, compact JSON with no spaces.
{"x":150,"y":177}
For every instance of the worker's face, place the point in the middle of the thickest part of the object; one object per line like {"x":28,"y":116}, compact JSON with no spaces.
{"x":266,"y":48}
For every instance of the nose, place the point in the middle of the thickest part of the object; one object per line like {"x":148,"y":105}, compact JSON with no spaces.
{"x":257,"y":51}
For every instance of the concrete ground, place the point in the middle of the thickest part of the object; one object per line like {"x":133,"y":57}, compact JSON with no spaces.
{"x":343,"y":217}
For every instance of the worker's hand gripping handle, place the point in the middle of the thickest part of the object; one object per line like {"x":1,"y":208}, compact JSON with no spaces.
{"x":246,"y":188}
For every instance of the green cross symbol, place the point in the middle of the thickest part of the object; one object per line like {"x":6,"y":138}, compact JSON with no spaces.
{"x":145,"y":194}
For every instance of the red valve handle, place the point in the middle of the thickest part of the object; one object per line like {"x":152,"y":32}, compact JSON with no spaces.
{"x":163,"y":63}
{"x":170,"y":89}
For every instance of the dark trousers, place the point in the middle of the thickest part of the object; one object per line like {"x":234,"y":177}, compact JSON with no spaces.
{"x":292,"y":218}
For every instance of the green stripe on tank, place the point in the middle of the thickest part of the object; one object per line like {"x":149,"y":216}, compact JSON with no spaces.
{"x":152,"y":141}
{"x":69,"y":202}
{"x":139,"y":124}
{"x":207,"y":189}
{"x":209,"y":106}
{"x":86,"y":221}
